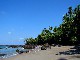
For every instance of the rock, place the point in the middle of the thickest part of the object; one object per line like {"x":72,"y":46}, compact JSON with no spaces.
{"x":43,"y":48}
{"x":2,"y":54}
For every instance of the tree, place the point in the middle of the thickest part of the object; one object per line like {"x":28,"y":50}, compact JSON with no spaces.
{"x":67,"y":33}
{"x":31,"y":41}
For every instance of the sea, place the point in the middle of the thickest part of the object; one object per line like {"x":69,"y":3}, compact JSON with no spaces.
{"x":6,"y":51}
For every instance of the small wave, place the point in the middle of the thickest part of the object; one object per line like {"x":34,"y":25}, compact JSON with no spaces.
{"x":7,"y":56}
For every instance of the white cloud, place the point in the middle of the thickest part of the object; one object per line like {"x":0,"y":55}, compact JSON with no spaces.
{"x":63,"y":15}
{"x":21,"y":38}
{"x":9,"y":32}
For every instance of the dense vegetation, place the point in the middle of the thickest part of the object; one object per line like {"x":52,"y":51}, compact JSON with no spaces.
{"x":67,"y":33}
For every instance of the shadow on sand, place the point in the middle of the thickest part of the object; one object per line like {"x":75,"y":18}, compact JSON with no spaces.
{"x":62,"y":59}
{"x":71,"y":51}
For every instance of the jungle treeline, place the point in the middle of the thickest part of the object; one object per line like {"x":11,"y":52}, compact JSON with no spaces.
{"x":67,"y":33}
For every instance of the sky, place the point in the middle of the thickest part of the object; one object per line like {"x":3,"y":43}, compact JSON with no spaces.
{"x":21,"y":19}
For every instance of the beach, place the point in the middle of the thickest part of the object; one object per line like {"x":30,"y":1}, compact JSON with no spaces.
{"x":49,"y":54}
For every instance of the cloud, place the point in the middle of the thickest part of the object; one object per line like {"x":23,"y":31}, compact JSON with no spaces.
{"x":63,"y":15}
{"x":9,"y":32}
{"x":21,"y":38}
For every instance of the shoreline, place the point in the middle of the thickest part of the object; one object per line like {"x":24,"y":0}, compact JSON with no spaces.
{"x":8,"y":56}
{"x":5,"y":53}
{"x":49,"y":54}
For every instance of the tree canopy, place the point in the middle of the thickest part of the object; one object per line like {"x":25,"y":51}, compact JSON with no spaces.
{"x":67,"y":33}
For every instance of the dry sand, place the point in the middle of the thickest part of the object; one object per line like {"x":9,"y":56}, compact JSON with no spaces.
{"x":49,"y":54}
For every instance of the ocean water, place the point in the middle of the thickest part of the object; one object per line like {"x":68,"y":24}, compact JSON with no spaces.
{"x":8,"y":51}
{"x":3,"y":46}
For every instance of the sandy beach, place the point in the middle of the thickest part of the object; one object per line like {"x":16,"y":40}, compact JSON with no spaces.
{"x":49,"y":54}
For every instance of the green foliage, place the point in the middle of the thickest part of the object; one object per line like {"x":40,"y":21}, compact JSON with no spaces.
{"x":67,"y":33}
{"x":31,"y":41}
